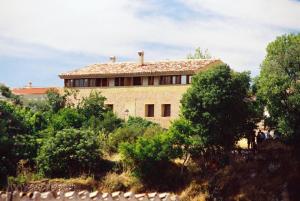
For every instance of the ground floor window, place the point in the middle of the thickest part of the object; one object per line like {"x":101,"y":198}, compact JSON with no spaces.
{"x":149,"y":110}
{"x":166,"y":110}
{"x":110,"y":107}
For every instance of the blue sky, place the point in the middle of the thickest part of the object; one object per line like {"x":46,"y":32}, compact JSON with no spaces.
{"x":40,"y":39}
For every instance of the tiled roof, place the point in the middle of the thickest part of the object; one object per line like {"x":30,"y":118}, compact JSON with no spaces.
{"x":28,"y":91}
{"x":135,"y":69}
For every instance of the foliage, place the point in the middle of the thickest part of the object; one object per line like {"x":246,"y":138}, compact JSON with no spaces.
{"x":69,"y":152}
{"x":278,"y":86}
{"x":67,"y":118}
{"x":139,"y":122}
{"x":109,"y":123}
{"x":6,"y":92}
{"x":17,"y":137}
{"x":93,"y":105}
{"x":147,"y":155}
{"x":124,"y":134}
{"x":215,"y":105}
{"x":199,"y":54}
{"x":130,"y":131}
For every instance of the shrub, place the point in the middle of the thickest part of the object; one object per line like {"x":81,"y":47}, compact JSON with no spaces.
{"x":124,"y":134}
{"x":67,"y":118}
{"x":148,"y":156}
{"x":68,"y":153}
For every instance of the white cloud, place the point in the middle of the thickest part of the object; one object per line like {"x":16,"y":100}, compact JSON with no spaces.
{"x":238,"y":32}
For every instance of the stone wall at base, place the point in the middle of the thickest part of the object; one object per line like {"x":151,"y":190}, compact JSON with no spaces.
{"x":85,"y":196}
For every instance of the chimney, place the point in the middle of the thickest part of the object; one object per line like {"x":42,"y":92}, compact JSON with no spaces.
{"x":113,"y":59}
{"x":30,"y":84}
{"x":141,"y":57}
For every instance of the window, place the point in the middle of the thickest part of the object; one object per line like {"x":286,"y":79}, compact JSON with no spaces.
{"x":104,"y":82}
{"x":166,"y":110}
{"x":92,"y":82}
{"x":119,"y":81}
{"x":137,"y":80}
{"x":77,"y":83}
{"x":165,"y":80}
{"x":149,"y":110}
{"x":183,"y":79}
{"x":127,"y":81}
{"x":177,"y":79}
{"x":110,"y":107}
{"x":68,"y":83}
{"x":189,"y":79}
{"x":86,"y":82}
{"x":151,"y":80}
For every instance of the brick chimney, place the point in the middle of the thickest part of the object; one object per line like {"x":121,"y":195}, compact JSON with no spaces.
{"x":141,"y":58}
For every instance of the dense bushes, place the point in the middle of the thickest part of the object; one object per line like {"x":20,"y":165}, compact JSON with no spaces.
{"x":69,"y":152}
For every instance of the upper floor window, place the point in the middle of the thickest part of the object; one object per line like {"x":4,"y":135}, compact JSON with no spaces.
{"x":150,"y":80}
{"x":119,"y":81}
{"x":165,"y":80}
{"x":137,"y":80}
{"x":177,"y":79}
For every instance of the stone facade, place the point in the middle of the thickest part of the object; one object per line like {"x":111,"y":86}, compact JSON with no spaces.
{"x":131,"y":101}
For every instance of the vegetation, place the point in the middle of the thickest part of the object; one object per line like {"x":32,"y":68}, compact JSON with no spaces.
{"x":278,"y":86}
{"x":64,"y":137}
{"x":199,"y":54}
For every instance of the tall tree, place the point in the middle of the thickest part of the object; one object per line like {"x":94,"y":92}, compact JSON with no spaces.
{"x":279,"y":87}
{"x":216,"y":105}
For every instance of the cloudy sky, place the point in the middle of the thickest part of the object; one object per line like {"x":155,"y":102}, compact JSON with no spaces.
{"x":41,"y":38}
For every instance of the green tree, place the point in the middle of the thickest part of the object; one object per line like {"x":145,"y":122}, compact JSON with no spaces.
{"x":55,"y":100}
{"x":6,"y":92}
{"x":215,"y":105}
{"x":93,"y":105}
{"x":69,"y":152}
{"x":17,"y":137}
{"x":278,"y":86}
{"x":67,"y":118}
{"x":199,"y":54}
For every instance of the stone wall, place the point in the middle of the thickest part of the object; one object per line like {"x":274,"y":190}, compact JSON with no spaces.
{"x":134,"y":98}
{"x":85,"y":196}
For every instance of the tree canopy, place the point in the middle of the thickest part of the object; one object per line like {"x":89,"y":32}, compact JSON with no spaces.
{"x":278,"y":86}
{"x":215,"y":105}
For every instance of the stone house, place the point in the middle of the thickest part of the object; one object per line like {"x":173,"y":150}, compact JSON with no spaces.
{"x":151,"y":90}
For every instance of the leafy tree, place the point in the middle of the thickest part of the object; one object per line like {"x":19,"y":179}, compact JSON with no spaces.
{"x":215,"y":105}
{"x":55,"y":100}
{"x":69,"y":152}
{"x":67,"y":118}
{"x":17,"y":137}
{"x":93,"y":105}
{"x":6,"y":92}
{"x":199,"y":54}
{"x":278,"y":86}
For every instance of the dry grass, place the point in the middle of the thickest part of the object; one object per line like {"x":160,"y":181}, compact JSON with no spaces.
{"x":194,"y":192}
{"x":120,"y":182}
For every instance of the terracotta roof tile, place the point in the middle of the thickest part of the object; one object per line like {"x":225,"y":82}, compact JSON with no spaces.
{"x":27,"y":91}
{"x":135,"y":69}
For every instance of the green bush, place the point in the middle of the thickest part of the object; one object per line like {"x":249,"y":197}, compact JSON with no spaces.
{"x":69,"y":152}
{"x":67,"y":118}
{"x":123,"y":134}
{"x":139,"y":122}
{"x":148,"y":155}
